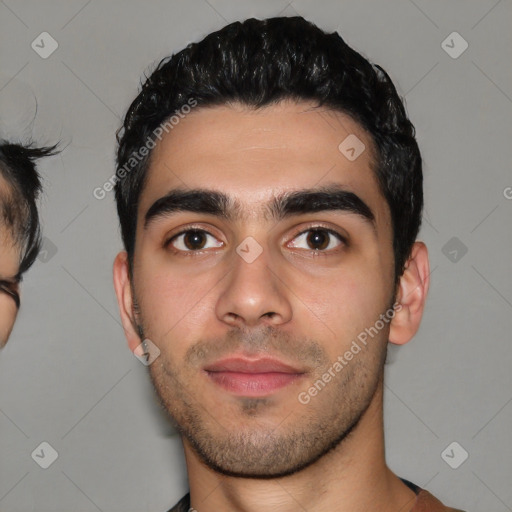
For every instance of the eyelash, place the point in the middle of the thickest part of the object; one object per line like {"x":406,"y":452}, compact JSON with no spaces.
{"x":314,"y":252}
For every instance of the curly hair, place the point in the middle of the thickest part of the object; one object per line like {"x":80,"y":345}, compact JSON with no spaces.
{"x":259,"y":63}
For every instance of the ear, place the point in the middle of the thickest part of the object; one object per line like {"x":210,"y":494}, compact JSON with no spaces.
{"x":411,"y":296}
{"x":123,"y":290}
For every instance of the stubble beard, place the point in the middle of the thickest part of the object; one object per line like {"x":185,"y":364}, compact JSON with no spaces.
{"x":260,"y":449}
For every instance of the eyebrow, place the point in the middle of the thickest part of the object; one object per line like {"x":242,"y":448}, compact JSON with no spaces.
{"x":287,"y":204}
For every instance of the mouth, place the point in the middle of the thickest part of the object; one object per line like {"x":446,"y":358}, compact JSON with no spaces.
{"x":252,"y":377}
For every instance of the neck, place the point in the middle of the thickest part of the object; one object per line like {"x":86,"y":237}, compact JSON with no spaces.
{"x":351,"y":477}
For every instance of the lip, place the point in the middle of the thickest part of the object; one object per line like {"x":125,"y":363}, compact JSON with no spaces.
{"x":252,"y":377}
{"x":245,"y":365}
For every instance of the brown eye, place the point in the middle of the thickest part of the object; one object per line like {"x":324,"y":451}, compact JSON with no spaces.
{"x":318,"y":239}
{"x":194,"y":240}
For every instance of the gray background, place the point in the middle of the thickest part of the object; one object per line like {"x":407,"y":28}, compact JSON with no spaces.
{"x":67,"y":376}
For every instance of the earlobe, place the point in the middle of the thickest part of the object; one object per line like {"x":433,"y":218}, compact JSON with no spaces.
{"x":411,"y":297}
{"x":123,"y":291}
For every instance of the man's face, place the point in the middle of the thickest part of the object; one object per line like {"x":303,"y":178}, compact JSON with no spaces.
{"x":226,"y":310}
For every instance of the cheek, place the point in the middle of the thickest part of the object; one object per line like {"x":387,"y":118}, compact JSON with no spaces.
{"x":174,"y":304}
{"x":341,"y":306}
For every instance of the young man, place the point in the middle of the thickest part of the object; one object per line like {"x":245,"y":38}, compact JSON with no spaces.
{"x":269,"y":189}
{"x":20,"y":186}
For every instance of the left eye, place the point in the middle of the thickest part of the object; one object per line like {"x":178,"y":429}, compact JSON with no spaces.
{"x":194,"y":240}
{"x":317,"y":240}
{"x":10,"y":290}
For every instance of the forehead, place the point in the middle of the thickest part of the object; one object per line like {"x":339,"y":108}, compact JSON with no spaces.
{"x":9,"y":249}
{"x":254,"y":154}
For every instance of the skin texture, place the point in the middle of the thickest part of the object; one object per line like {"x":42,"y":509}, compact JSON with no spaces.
{"x":295,"y":302}
{"x":9,"y":265}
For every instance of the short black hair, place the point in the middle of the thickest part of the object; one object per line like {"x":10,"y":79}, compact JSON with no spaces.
{"x":18,"y":202}
{"x":262,"y":62}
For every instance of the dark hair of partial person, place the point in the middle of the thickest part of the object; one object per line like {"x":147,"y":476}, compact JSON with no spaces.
{"x":18,"y":203}
{"x":261,"y":62}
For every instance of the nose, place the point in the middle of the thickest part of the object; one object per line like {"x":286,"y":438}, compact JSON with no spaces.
{"x":253,"y":295}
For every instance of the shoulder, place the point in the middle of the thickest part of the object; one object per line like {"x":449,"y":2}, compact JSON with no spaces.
{"x":183,"y":505}
{"x":426,"y":502}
